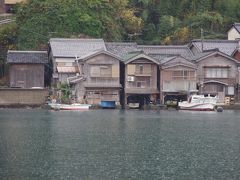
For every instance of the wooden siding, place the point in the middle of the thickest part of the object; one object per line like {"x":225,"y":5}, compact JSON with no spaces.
{"x":237,"y":56}
{"x":178,"y":79}
{"x":217,"y":85}
{"x":26,"y":75}
{"x":102,"y":83}
{"x":95,"y":96}
{"x":221,"y":62}
{"x":179,"y":86}
{"x":102,"y":69}
{"x":141,"y":78}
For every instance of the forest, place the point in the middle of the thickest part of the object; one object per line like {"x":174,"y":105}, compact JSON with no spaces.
{"x":142,"y":21}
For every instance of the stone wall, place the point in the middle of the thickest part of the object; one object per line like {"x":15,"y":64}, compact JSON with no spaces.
{"x":12,"y":96}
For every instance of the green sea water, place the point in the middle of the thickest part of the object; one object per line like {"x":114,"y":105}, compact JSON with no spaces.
{"x":118,"y":144}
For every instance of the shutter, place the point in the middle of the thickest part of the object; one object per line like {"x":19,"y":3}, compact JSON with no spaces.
{"x":230,"y":90}
{"x":131,"y":69}
{"x":115,"y":71}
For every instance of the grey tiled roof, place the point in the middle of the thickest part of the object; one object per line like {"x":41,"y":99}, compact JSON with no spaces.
{"x":75,"y":47}
{"x":204,"y":53}
{"x":121,"y":49}
{"x":160,"y":57}
{"x":175,"y":60}
{"x":166,"y":51}
{"x":225,"y":46}
{"x":33,"y":57}
{"x":167,"y":59}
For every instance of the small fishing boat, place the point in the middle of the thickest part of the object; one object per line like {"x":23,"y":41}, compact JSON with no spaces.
{"x":75,"y":106}
{"x":133,"y":105}
{"x":199,"y":103}
{"x":108,"y":104}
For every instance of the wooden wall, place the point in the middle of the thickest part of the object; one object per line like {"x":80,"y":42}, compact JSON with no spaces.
{"x":102,"y":69}
{"x":172,"y":83}
{"x":145,"y":81}
{"x":217,"y":60}
{"x":26,"y":75}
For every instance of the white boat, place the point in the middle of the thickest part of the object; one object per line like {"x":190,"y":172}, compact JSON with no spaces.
{"x":133,"y":105}
{"x":199,"y":103}
{"x":75,"y":106}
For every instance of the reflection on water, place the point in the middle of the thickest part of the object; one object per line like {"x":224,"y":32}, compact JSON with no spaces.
{"x":117,"y":144}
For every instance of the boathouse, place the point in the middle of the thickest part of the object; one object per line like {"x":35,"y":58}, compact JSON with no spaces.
{"x":26,"y":68}
{"x":141,"y":79}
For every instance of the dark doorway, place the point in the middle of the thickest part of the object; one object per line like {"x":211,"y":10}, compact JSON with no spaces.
{"x":142,"y":99}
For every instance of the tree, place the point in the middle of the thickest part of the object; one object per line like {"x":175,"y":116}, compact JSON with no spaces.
{"x":8,"y":40}
{"x":111,"y":20}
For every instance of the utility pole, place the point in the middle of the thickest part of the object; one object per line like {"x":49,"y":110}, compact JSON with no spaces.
{"x":202,"y":37}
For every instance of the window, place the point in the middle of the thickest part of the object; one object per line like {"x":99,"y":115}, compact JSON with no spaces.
{"x":101,"y":71}
{"x":183,"y":74}
{"x":105,"y":71}
{"x":140,"y":69}
{"x":139,"y":84}
{"x":143,"y":69}
{"x":216,"y":73}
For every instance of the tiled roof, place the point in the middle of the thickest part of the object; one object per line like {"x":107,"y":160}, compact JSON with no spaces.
{"x":75,"y":47}
{"x":177,"y":60}
{"x":121,"y":49}
{"x":203,"y":54}
{"x":94,"y":53}
{"x":166,"y":51}
{"x":33,"y":57}
{"x":225,"y":46}
{"x":131,"y":55}
{"x":167,"y":59}
{"x":160,"y":57}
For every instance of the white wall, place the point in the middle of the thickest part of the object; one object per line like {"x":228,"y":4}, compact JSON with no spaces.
{"x":233,"y":34}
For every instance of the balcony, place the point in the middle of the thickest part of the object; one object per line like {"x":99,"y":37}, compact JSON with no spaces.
{"x":135,"y":90}
{"x":179,"y":86}
{"x":228,"y":81}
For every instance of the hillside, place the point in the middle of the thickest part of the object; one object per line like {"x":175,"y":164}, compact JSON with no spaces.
{"x":144,"y":21}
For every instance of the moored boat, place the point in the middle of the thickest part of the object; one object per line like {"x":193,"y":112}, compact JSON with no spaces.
{"x":199,"y":103}
{"x":75,"y":106}
{"x":133,"y":105}
{"x":108,"y":104}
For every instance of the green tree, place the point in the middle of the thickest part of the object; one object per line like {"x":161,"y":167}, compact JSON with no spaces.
{"x":39,"y":20}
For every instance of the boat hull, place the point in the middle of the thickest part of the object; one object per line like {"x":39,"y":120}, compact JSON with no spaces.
{"x":56,"y":106}
{"x":133,"y":105}
{"x":196,"y":107}
{"x":108,"y":104}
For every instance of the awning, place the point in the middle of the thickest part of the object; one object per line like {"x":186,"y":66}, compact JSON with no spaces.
{"x":65,"y":69}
